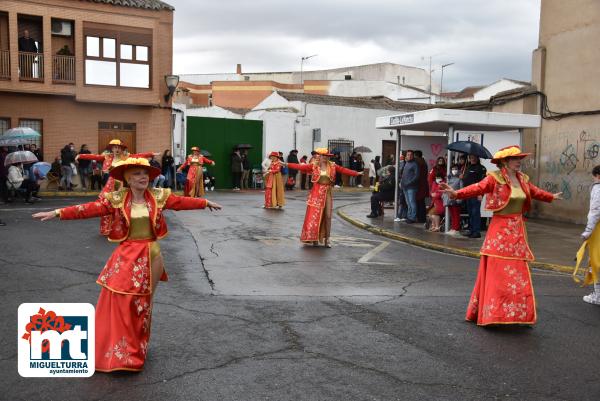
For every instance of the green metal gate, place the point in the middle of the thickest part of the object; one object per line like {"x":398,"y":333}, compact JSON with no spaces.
{"x":219,"y":136}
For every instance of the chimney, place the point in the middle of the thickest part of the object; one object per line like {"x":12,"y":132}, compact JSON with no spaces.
{"x":238,"y":70}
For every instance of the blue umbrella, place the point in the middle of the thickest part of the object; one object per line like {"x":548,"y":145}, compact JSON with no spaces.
{"x":40,"y":169}
{"x":19,"y":136}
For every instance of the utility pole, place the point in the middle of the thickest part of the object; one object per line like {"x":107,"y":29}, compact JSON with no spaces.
{"x":302,"y":68}
{"x":442,"y":79}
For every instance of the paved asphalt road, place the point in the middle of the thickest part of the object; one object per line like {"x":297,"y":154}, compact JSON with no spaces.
{"x":250,"y":314}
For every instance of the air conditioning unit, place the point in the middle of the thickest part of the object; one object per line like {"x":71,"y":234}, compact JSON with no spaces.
{"x":61,"y":28}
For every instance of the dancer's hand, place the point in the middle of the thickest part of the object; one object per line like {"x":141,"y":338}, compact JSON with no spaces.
{"x":43,"y":216}
{"x":213,"y":206}
{"x":557,"y":196}
{"x":448,"y":190}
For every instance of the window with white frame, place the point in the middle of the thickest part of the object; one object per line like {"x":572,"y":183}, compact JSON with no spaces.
{"x":117,"y":61}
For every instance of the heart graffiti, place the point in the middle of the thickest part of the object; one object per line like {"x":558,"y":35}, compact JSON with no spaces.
{"x":436,"y":149}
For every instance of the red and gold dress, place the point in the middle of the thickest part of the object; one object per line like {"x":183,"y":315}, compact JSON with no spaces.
{"x":108,"y":160}
{"x":194,"y":183}
{"x":503,"y":292}
{"x":317,"y":221}
{"x":124,"y":309}
{"x":274,"y":195}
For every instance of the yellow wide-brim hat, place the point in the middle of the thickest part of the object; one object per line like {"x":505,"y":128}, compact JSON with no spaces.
{"x":323,"y":152}
{"x":118,"y":171}
{"x":195,"y":148}
{"x":509,"y":151}
{"x":116,"y":142}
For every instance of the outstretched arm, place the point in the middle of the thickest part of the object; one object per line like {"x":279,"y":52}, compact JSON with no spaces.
{"x":347,"y":171}
{"x":84,"y":211}
{"x":478,"y":189}
{"x":85,"y":156}
{"x":541,"y":195}
{"x":306,"y":168}
{"x":207,"y":160}
{"x":175,"y":202}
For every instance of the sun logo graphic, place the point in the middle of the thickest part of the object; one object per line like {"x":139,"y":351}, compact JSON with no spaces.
{"x":56,"y":340}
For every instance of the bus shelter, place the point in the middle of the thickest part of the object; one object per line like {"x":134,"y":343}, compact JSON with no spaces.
{"x":438,"y":121}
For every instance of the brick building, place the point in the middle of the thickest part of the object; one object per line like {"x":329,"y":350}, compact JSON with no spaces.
{"x":91,"y":70}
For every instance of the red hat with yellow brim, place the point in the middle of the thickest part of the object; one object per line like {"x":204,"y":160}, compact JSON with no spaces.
{"x":116,"y":142}
{"x":118,"y":172}
{"x":323,"y":152}
{"x":274,"y":154}
{"x":509,"y":151}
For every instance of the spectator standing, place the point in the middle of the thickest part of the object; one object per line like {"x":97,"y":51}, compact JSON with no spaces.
{"x":390,"y":160}
{"x":96,"y":177}
{"x":377,"y":168}
{"x":67,"y":161}
{"x":474,"y":172}
{"x":410,"y":186}
{"x":423,"y":190}
{"x":439,"y":168}
{"x":85,"y":169}
{"x":303,"y":160}
{"x":353,"y":161}
{"x":454,"y":205}
{"x":337,"y":159}
{"x":246,"y":170}
{"x":159,"y":181}
{"x":293,"y":158}
{"x":34,"y":149}
{"x":436,"y":210}
{"x":237,"y":169}
{"x":372,"y":173}
{"x":590,"y":237}
{"x":168,"y":164}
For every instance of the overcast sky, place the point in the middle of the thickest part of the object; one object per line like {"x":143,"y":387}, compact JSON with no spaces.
{"x":486,"y":40}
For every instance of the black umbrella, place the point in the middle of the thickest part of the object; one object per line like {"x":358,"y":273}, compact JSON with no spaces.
{"x":244,"y":146}
{"x":205,"y":153}
{"x":470,"y":148}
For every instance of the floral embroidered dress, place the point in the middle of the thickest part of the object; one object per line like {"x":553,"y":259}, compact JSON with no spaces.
{"x":274,"y":196}
{"x":503,"y":292}
{"x":317,"y":221}
{"x":109,"y":160}
{"x":124,"y":308}
{"x":194,"y":183}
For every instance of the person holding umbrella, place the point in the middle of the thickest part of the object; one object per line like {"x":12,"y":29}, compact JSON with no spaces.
{"x":237,"y":169}
{"x":194,"y":183}
{"x":17,"y":180}
{"x":503,"y":292}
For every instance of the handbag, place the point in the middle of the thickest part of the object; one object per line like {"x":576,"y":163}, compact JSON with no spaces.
{"x":74,"y":168}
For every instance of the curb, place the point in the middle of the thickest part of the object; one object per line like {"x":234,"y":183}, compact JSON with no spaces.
{"x":438,"y":247}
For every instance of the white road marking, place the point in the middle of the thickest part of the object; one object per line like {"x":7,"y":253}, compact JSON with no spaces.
{"x":367,"y":256}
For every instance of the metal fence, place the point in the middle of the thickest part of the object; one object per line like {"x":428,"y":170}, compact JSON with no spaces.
{"x":343,"y":147}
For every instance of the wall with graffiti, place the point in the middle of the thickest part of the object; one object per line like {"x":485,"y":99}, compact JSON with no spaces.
{"x":567,"y":156}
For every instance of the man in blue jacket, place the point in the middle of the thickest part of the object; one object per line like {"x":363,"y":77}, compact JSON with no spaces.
{"x":410,"y":185}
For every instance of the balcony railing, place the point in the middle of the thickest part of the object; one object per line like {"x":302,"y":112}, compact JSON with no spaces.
{"x":4,"y":64}
{"x":31,"y":66}
{"x":63,"y":69}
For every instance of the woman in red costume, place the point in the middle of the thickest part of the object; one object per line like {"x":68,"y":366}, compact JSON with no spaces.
{"x":130,"y":277}
{"x":116,"y":152}
{"x":194,"y":184}
{"x":274,"y":196}
{"x":317,"y":222}
{"x":503,"y":292}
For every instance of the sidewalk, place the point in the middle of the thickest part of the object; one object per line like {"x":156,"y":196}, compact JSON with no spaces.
{"x":553,"y":244}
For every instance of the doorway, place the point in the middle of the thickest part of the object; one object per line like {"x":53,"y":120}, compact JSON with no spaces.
{"x":108,"y":131}
{"x":387,"y":148}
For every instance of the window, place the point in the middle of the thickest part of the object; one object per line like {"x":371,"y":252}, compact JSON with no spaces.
{"x":116,"y":56}
{"x":343,"y":147}
{"x":36,"y":125}
{"x":4,"y":125}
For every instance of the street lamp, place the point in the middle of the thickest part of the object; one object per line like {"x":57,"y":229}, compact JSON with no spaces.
{"x":302,"y":67}
{"x":442,"y":79}
{"x":171,"y":81}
